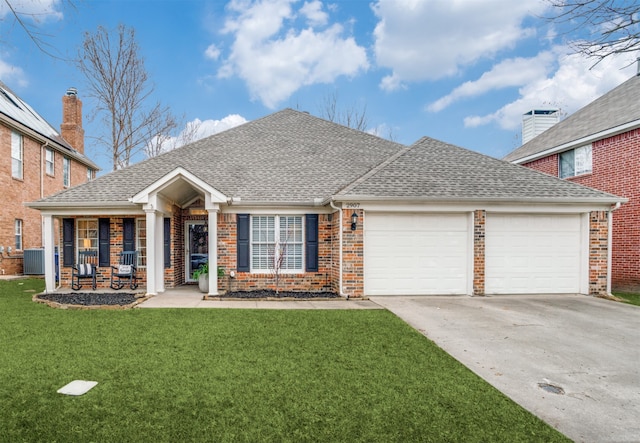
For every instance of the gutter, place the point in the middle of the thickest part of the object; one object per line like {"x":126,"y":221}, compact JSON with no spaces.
{"x":609,"y":246}
{"x":341,"y":292}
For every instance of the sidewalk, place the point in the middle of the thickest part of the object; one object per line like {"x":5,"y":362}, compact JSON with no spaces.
{"x":190,"y":298}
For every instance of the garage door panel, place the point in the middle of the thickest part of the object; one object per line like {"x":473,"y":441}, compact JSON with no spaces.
{"x":532,"y":253}
{"x":413,"y":254}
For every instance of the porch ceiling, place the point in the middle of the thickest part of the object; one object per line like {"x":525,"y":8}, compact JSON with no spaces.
{"x":181,"y":192}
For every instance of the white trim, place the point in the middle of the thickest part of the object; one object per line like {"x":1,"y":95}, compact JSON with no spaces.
{"x":213,"y":246}
{"x":187,"y":250}
{"x":580,"y":141}
{"x":276,"y":209}
{"x":49,"y":254}
{"x":173,"y":176}
{"x":276,"y":228}
{"x":489,"y":207}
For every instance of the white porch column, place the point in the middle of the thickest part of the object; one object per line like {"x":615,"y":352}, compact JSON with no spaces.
{"x":213,"y":251}
{"x":49,"y":254}
{"x":158,"y":239}
{"x":152,"y":252}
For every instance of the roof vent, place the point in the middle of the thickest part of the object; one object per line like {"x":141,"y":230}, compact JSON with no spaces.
{"x":72,"y":92}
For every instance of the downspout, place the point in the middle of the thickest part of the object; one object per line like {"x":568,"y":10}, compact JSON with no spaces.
{"x":342,"y":294}
{"x":43,"y":160}
{"x":610,"y":246}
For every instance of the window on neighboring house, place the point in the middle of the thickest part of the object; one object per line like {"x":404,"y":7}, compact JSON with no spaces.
{"x":277,"y":242}
{"x":18,"y":234}
{"x":50,"y":161}
{"x":16,"y":155}
{"x":89,"y":174}
{"x":87,"y":234}
{"x":575,"y":162}
{"x":141,"y":242}
{"x":66,"y":172}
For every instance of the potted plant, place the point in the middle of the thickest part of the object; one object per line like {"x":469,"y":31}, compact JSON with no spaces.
{"x":202,"y":275}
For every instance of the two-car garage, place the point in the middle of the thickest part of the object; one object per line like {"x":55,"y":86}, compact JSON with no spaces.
{"x":433,"y":253}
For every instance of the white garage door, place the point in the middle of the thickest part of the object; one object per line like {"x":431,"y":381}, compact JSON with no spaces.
{"x":416,"y":254}
{"x":528,"y":254}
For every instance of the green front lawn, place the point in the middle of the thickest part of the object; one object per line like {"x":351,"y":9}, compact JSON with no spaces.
{"x":633,"y":299}
{"x":238,"y":375}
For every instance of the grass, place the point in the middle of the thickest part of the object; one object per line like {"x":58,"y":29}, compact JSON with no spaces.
{"x":238,"y":375}
{"x":627,"y":297}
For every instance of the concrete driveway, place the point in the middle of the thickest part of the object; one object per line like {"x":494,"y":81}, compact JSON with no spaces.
{"x":586,"y":349}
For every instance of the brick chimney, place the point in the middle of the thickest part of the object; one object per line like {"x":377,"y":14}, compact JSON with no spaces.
{"x":71,"y":127}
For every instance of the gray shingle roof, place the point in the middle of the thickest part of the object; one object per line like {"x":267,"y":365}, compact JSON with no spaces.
{"x":291,"y":157}
{"x":285,"y":157}
{"x":619,"y":106}
{"x":434,"y":170}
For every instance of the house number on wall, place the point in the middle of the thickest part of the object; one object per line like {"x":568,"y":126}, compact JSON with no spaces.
{"x":353,"y":205}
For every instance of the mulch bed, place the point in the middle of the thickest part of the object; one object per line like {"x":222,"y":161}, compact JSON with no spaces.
{"x":269,"y":294}
{"x":91,"y":300}
{"x":125,"y":300}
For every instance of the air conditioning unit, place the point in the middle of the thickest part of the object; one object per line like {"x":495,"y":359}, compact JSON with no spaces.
{"x":33,"y":262}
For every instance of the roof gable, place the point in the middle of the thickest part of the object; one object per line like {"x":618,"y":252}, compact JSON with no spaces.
{"x":614,"y":112}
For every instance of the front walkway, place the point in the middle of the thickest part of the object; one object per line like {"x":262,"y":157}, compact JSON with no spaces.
{"x":190,"y":297}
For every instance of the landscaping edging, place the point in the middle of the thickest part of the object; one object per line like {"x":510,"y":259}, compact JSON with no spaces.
{"x":57,"y":305}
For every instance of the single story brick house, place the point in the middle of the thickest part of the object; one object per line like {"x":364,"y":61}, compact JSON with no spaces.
{"x":340,"y":210}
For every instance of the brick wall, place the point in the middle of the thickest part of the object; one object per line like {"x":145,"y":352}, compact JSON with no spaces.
{"x":34,"y":185}
{"x":479,"y":221}
{"x":615,"y":169}
{"x":598,"y":252}
{"x":353,"y":254}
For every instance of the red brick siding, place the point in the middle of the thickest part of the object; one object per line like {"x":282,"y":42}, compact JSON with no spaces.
{"x":34,"y":185}
{"x":598,"y":252}
{"x":616,"y":169}
{"x":548,"y":165}
{"x":353,"y":254}
{"x":479,"y":220}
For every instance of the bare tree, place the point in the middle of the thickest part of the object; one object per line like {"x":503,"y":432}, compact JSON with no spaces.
{"x":351,"y":116}
{"x":119,"y":82}
{"x":28,"y":20}
{"x":614,"y":25}
{"x":162,"y":143}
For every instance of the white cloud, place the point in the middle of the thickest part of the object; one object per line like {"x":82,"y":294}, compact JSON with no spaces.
{"x":420,"y":40}
{"x":313,"y":11}
{"x":275,"y":59}
{"x":198,"y":129}
{"x":12,"y":75}
{"x":569,"y":88}
{"x":35,"y":10}
{"x":506,"y":74}
{"x":212,"y":52}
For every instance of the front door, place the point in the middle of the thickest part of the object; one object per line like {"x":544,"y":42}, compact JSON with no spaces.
{"x":197,"y":246}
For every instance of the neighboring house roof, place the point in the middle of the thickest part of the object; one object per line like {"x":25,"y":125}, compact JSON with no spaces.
{"x":291,"y":157}
{"x":431,"y":170}
{"x":615,"y":112}
{"x":18,"y":113}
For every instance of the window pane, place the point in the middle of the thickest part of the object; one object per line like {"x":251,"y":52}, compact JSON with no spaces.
{"x":87,"y":235}
{"x":141,"y":240}
{"x":583,"y":160}
{"x":567,"y":164}
{"x":16,"y":155}
{"x":18,"y":231}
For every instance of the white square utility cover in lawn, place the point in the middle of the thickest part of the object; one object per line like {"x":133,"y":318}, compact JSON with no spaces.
{"x":416,"y":253}
{"x":77,"y":387}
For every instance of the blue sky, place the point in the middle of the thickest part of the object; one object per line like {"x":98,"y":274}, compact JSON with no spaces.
{"x":461,"y":71}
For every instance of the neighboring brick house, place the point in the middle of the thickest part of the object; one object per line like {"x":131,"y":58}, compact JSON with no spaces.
{"x":599,"y":146}
{"x":346,"y":211}
{"x":38,"y":161}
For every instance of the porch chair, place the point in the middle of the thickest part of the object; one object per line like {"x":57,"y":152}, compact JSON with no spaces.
{"x":125,"y":271}
{"x":86,"y":268}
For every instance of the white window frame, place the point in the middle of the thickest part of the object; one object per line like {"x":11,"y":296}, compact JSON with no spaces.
{"x":89,"y":231}
{"x":582,"y":162}
{"x":66,"y":172}
{"x":141,"y":242}
{"x":18,"y":233}
{"x":273,"y":244}
{"x":17,"y":155}
{"x":50,"y":161}
{"x":89,"y":174}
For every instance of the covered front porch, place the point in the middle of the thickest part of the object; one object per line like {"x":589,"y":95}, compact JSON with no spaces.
{"x":172,"y":224}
